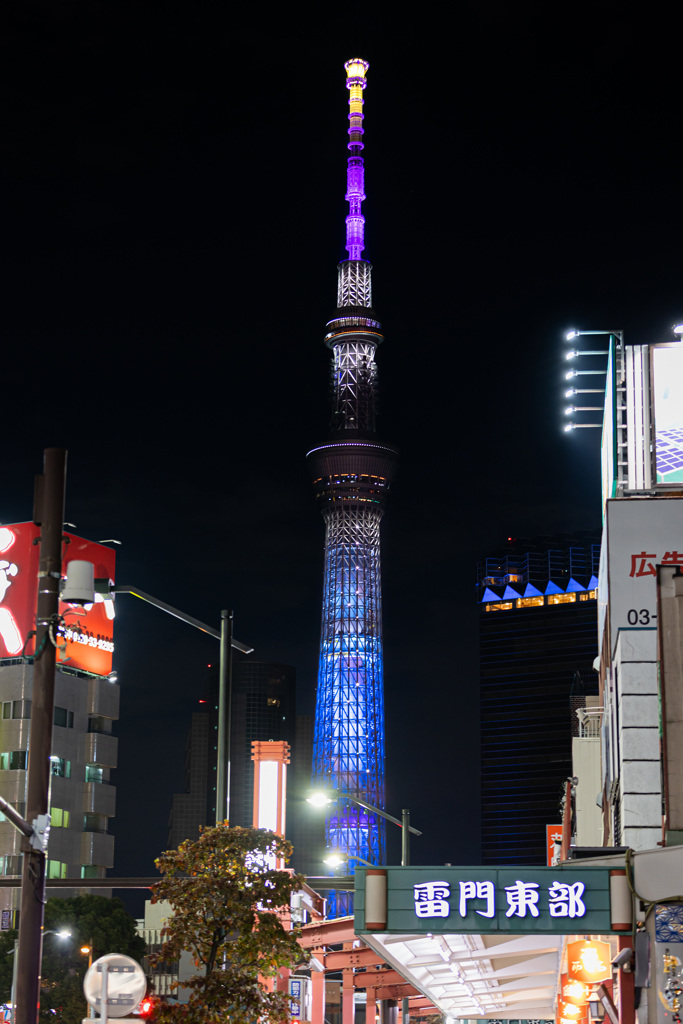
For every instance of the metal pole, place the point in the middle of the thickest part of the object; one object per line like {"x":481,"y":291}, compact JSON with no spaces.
{"x":49,"y":515}
{"x":224,"y":719}
{"x":14,"y":982}
{"x":405,"y":838}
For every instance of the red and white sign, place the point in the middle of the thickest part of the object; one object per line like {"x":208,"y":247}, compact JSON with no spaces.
{"x":641,"y":534}
{"x":88,"y":632}
{"x":553,"y":844}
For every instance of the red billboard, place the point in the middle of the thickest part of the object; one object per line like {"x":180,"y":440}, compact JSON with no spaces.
{"x":86,"y":636}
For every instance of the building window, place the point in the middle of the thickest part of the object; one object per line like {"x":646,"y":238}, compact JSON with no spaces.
{"x":64,"y":718}
{"x":10,"y":865}
{"x":89,"y":871}
{"x":93,"y":773}
{"x":60,"y":767}
{"x":562,"y":599}
{"x":499,"y":606}
{"x":56,"y":869}
{"x":7,"y":709}
{"x":530,"y":602}
{"x":13,"y":760}
{"x":60,"y":818}
{"x":590,"y":595}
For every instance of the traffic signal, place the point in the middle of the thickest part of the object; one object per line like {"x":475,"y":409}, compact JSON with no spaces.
{"x":147,"y":1007}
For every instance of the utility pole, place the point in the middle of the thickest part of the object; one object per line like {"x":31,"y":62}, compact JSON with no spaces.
{"x":48,"y":513}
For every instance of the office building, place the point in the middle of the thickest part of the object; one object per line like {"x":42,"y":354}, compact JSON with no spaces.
{"x":538,"y":642}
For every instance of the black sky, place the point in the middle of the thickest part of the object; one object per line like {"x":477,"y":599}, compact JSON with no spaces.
{"x":173,"y":179}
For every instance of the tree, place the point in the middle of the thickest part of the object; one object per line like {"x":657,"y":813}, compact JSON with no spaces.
{"x":95,"y":921}
{"x":227,"y":903}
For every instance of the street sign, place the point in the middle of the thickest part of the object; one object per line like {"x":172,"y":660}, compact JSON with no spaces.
{"x":116,"y":980}
{"x":564,"y":899}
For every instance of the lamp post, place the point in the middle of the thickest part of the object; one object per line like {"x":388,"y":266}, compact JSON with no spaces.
{"x":334,"y":859}
{"x":227,"y":642}
{"x":319,"y":799}
{"x":62,"y":934}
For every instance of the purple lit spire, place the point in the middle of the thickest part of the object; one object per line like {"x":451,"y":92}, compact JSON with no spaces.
{"x":355,"y":173}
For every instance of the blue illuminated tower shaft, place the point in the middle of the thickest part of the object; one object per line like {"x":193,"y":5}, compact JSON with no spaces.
{"x":351,"y":475}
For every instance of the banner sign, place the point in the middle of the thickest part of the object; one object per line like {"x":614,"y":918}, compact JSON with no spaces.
{"x":86,"y":638}
{"x":640,"y":535}
{"x":557,"y":900}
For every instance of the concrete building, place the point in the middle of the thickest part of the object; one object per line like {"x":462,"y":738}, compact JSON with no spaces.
{"x":84,"y":749}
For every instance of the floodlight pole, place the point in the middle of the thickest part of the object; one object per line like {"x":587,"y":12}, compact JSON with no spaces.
{"x":48,"y":514}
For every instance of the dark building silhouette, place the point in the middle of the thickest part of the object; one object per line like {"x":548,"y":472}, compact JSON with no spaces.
{"x":263,"y":708}
{"x":538,"y":641}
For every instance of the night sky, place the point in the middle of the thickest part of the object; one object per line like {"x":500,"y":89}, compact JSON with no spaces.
{"x":173,"y":182}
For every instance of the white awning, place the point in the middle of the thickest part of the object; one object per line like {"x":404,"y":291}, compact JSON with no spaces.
{"x":508,"y":977}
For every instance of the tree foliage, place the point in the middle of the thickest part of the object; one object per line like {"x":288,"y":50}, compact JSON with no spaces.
{"x":227,"y":903}
{"x":99,"y":921}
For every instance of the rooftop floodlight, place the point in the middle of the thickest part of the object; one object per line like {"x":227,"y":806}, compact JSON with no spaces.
{"x":571,"y":334}
{"x":572,"y":354}
{"x":568,"y":394}
{"x":568,"y":376}
{"x":568,"y":426}
{"x":569,"y":410}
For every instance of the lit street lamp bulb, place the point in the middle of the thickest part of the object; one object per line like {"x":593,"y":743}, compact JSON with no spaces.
{"x":568,"y":394}
{"x":333,"y":860}
{"x":569,"y":410}
{"x":571,"y":355}
{"x":677,"y":328}
{"x":568,"y":426}
{"x":571,"y":334}
{"x":568,"y":376}
{"x":318,"y":799}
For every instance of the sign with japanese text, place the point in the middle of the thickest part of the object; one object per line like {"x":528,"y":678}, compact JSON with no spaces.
{"x":589,"y":961}
{"x":553,"y":843}
{"x":85,"y":638}
{"x":641,"y":534}
{"x":555,"y":900}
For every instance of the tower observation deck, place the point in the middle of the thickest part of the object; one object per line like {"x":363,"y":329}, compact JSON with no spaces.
{"x":352,"y":473}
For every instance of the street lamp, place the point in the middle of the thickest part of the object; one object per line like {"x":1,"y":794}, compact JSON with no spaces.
{"x":323,"y":799}
{"x":227,"y":642}
{"x":334,"y":859}
{"x":61,"y":934}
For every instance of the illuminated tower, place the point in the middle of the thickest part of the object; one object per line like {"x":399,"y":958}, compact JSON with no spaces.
{"x":351,"y":475}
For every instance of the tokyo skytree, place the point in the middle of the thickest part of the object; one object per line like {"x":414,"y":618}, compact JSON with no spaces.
{"x":352,"y":473}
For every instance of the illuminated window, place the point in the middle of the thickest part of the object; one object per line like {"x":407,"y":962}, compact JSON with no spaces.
{"x":512,"y":578}
{"x":93,"y":773}
{"x":590,"y":595}
{"x":530,"y":602}
{"x":273,"y":702}
{"x":60,"y":818}
{"x":13,"y":760}
{"x":56,"y":869}
{"x":499,"y":606}
{"x":60,"y":767}
{"x":562,"y":599}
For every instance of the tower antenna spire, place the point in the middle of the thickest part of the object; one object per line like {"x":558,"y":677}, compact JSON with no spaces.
{"x":356,"y":71}
{"x":351,"y":476}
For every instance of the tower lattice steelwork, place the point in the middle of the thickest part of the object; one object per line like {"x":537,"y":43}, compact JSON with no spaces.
{"x":352,"y":474}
